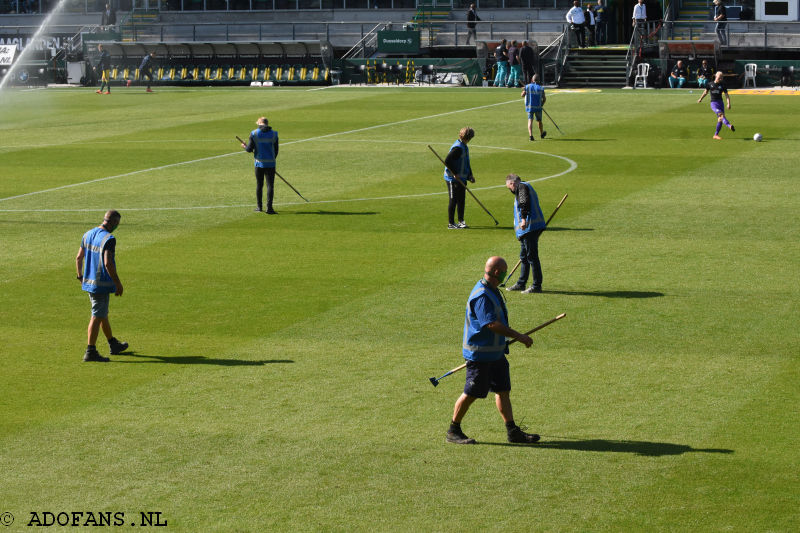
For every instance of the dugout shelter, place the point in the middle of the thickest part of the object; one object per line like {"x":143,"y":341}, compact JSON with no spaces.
{"x":219,"y":63}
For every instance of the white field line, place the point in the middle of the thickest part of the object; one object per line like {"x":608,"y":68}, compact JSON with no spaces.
{"x":572,"y":166}
{"x":210,"y":158}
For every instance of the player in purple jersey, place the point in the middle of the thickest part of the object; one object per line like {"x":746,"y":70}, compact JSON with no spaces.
{"x":715,"y":89}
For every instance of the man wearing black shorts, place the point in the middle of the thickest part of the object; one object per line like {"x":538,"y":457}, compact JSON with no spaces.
{"x":485,"y":348}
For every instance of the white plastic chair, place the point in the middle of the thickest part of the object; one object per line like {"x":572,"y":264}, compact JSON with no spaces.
{"x":642,"y":71}
{"x":750,"y":73}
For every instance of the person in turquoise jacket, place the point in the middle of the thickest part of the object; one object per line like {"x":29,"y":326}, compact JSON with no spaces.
{"x":485,"y":347}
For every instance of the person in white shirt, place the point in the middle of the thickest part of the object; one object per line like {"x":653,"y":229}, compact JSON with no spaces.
{"x":639,"y":19}
{"x":577,"y":19}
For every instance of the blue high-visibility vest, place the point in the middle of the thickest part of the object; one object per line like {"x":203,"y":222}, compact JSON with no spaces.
{"x":265,"y":147}
{"x":533,"y":97}
{"x":482,"y":344}
{"x":462,"y":165}
{"x":95,"y":276}
{"x":535,"y":218}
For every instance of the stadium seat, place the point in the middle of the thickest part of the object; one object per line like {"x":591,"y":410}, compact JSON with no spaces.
{"x":642,"y":72}
{"x":398,"y":73}
{"x":750,"y":74}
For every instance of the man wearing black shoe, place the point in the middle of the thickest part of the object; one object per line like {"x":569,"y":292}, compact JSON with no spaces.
{"x":485,"y":348}
{"x":264,"y":145}
{"x":458,"y":160}
{"x":97,"y":273}
{"x":528,"y":226}
{"x":534,"y":96}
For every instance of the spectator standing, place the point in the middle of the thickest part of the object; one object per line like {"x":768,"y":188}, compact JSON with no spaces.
{"x":472,"y":20}
{"x":577,"y":20}
{"x":527,"y":59}
{"x":639,"y":20}
{"x":678,"y":76}
{"x":601,"y":19}
{"x":109,"y":17}
{"x":720,"y":17}
{"x":591,"y":25}
{"x":501,"y":58}
{"x":515,"y":75}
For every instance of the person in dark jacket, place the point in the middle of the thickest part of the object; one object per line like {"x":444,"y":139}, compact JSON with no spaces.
{"x":103,"y":67}
{"x":527,"y":60}
{"x":146,"y":69}
{"x":472,"y":19}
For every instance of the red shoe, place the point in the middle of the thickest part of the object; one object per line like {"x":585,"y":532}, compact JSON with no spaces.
{"x":149,"y":90}
{"x":107,"y":92}
{"x":99,"y":91}
{"x":717,"y":137}
{"x":129,"y":83}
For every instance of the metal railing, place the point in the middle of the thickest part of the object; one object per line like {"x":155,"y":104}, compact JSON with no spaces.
{"x":554,"y":57}
{"x":190,"y":6}
{"x":367,"y":44}
{"x":451,"y":33}
{"x":739,"y":33}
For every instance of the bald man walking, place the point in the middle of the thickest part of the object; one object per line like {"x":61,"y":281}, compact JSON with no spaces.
{"x":97,"y":272}
{"x":485,"y":347}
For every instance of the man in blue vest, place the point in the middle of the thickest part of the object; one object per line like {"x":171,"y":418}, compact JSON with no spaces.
{"x":97,"y":273}
{"x":534,"y":96}
{"x":485,"y":347}
{"x":458,"y":160}
{"x":528,"y":226}
{"x":264,"y":145}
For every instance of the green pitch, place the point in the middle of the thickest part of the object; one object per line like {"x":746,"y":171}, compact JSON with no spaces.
{"x":279,"y":365}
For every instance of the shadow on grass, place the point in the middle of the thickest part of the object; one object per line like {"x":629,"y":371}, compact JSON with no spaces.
{"x":556,"y":228}
{"x":610,"y":294}
{"x":645,"y":448}
{"x":196,"y":360}
{"x":476,"y":226}
{"x":573,"y":139}
{"x":321,"y":212}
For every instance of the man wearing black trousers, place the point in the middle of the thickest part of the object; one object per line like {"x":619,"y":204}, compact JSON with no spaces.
{"x":528,"y":226}
{"x":264,"y":145}
{"x":458,"y":160}
{"x":146,"y":69}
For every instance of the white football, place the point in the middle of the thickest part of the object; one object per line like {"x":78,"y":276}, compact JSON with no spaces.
{"x":757,"y":137}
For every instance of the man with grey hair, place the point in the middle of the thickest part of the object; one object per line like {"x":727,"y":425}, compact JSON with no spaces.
{"x":97,"y":272}
{"x":528,"y":226}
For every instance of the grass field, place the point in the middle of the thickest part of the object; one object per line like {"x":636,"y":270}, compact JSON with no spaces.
{"x":279,"y":365}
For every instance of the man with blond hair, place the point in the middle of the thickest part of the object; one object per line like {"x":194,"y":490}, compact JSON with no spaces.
{"x":263,"y":143}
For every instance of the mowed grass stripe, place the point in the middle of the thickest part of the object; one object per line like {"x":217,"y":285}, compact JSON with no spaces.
{"x":349,"y":435}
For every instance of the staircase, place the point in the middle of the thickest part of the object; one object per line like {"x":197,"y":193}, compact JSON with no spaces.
{"x":691,"y":13}
{"x":138,"y":25}
{"x":430,"y":14}
{"x":595,"y":67}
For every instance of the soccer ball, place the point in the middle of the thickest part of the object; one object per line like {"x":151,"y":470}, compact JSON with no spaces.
{"x":757,"y":137}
